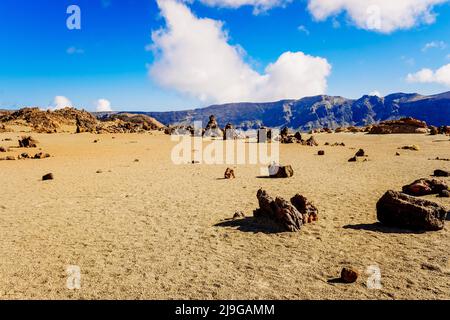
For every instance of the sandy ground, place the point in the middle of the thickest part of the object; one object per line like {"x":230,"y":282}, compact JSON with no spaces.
{"x":154,"y":230}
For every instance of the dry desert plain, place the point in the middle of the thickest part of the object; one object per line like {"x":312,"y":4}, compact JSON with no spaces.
{"x":150,"y":229}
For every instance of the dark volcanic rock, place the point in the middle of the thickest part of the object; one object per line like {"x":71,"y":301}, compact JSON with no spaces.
{"x":423,"y":187}
{"x":279,"y":211}
{"x":27,"y":142}
{"x":403,"y":211}
{"x":48,"y":176}
{"x":229,"y":174}
{"x":349,"y":275}
{"x":309,"y":212}
{"x":441,"y":173}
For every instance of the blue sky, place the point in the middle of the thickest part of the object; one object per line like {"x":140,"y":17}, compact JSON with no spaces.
{"x":109,"y":57}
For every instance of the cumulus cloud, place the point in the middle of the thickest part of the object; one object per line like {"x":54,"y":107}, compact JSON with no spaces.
{"x":379,"y":15}
{"x":375,"y":93}
{"x":60,"y":102}
{"x":103,"y":105}
{"x":439,"y":76}
{"x":193,"y":56}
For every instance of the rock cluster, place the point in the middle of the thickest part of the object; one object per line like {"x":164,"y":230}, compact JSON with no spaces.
{"x":289,"y":216}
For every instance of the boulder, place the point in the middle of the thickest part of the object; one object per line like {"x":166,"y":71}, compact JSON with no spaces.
{"x":403,"y":211}
{"x":444,"y":194}
{"x":423,"y":187}
{"x":48,"y":176}
{"x":433,"y":130}
{"x":41,"y":155}
{"x":311,"y":142}
{"x":349,"y":275}
{"x":229,"y":174}
{"x":279,"y":211}
{"x":309,"y":212}
{"x":27,"y":142}
{"x":3,"y":149}
{"x":441,"y":173}
{"x":360,"y":153}
{"x":321,"y":152}
{"x":276,"y":171}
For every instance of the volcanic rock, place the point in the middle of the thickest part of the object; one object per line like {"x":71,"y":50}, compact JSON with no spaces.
{"x":229,"y":174}
{"x":403,"y":211}
{"x":309,"y":212}
{"x":27,"y":142}
{"x":276,"y":171}
{"x":349,"y":275}
{"x":423,"y":187}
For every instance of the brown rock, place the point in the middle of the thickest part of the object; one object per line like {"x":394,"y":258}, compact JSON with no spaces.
{"x":3,"y":149}
{"x":411,"y":147}
{"x":360,"y":153}
{"x":41,"y":155}
{"x":441,"y":173}
{"x":309,"y":212}
{"x":276,"y":171}
{"x":27,"y":142}
{"x":349,"y":275}
{"x":444,"y":194}
{"x":238,"y":215}
{"x":423,"y":187}
{"x":279,"y":211}
{"x":403,"y":211}
{"x":321,"y":153}
{"x":433,"y":130}
{"x":229,"y":174}
{"x":48,"y":176}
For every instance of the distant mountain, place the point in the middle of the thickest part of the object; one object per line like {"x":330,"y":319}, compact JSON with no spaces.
{"x":319,"y":112}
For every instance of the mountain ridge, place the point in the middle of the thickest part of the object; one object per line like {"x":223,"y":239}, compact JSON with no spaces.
{"x":322,"y":111}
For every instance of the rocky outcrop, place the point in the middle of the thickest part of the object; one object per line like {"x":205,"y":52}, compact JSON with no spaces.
{"x":403,"y":211}
{"x":404,"y":125}
{"x":279,"y":210}
{"x":290,"y":216}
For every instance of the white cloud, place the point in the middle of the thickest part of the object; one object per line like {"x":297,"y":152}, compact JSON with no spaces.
{"x":259,"y":5}
{"x":380,"y":15}
{"x":103,"y":105}
{"x":434,"y":44}
{"x":303,"y":29}
{"x":375,"y":93}
{"x":440,"y":76}
{"x":60,"y":102}
{"x":193,"y":56}
{"x":74,"y":50}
